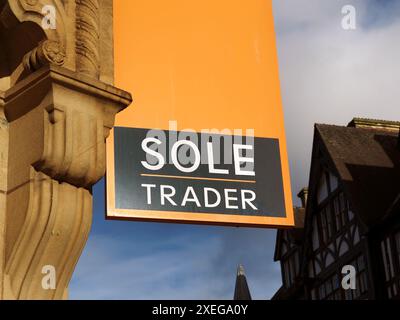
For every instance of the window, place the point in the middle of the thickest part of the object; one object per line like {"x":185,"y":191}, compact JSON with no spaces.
{"x":356,"y":238}
{"x":331,"y":288}
{"x":340,"y":211}
{"x":350,"y":214}
{"x":317,"y":267}
{"x":291,"y":268}
{"x":322,"y":189}
{"x":322,"y":292}
{"x":348,"y":295}
{"x":313,"y":294}
{"x":315,"y":239}
{"x":343,"y":207}
{"x":390,"y":250}
{"x":328,"y":183}
{"x":362,"y":281}
{"x":329,"y":260}
{"x":332,"y":218}
{"x":387,"y":259}
{"x":329,"y":222}
{"x":397,"y":239}
{"x":336,"y":282}
{"x":343,"y":247}
{"x":296,"y":263}
{"x":334,"y":182}
{"x":337,"y":212}
{"x":333,"y":230}
{"x":324,"y":227}
{"x":311,"y":272}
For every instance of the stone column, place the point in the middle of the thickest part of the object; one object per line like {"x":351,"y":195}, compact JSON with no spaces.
{"x":57,"y":107}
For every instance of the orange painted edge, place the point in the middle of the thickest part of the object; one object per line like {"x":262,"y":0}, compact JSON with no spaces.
{"x":113,"y":213}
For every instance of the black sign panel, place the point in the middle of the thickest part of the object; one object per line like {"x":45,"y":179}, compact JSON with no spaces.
{"x":197,"y":173}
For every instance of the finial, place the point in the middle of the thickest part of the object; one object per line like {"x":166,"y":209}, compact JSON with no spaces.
{"x":240,"y":271}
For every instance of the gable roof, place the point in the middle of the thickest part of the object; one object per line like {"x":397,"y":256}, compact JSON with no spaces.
{"x":366,"y":155}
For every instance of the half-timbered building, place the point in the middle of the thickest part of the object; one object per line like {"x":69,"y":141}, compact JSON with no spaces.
{"x":350,"y":216}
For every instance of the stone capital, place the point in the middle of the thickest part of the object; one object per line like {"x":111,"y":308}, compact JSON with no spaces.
{"x":70,"y":115}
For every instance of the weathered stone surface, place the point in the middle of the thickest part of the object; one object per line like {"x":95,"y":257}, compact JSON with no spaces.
{"x":57,"y":107}
{"x":3,"y":185}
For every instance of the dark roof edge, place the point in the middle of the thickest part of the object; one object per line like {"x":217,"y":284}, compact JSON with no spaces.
{"x":374,"y":124}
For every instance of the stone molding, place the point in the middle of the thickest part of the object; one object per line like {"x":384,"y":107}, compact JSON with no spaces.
{"x":88,"y":37}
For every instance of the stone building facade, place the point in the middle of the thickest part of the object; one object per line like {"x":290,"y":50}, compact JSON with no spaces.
{"x":57,"y":107}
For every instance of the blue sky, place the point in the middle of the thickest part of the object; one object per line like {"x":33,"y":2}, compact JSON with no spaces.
{"x":167,"y":261}
{"x":328,"y":75}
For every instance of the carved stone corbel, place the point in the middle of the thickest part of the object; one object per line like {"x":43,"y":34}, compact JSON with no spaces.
{"x":58,"y":122}
{"x":53,"y":233}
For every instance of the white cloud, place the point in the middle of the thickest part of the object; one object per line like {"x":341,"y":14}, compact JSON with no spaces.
{"x":330,"y":75}
{"x":105,"y":272}
{"x":192,"y":268}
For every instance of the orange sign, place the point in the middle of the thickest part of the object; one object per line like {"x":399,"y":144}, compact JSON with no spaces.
{"x":206,"y":70}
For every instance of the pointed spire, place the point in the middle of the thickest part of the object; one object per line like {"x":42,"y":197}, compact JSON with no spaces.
{"x":242,"y":291}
